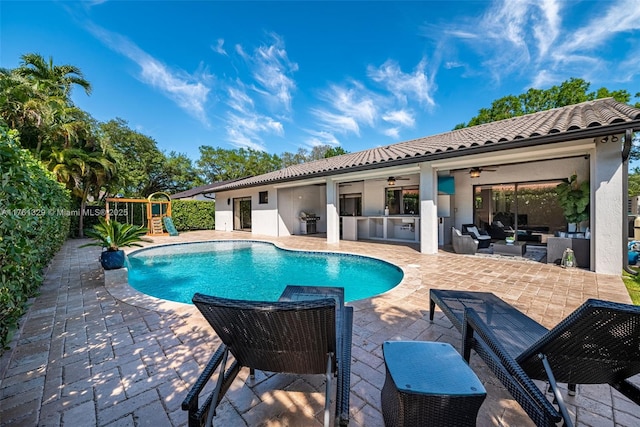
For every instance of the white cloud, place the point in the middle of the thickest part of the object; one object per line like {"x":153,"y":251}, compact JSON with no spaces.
{"x":348,"y":108}
{"x":218,"y":48}
{"x":239,"y":100}
{"x":188,"y":91}
{"x":336,"y":122}
{"x":392,"y":132}
{"x":619,"y":17}
{"x":546,"y":29}
{"x":546,"y":40}
{"x":321,"y":138}
{"x":400,"y":117}
{"x":272,"y":70}
{"x":453,"y":64}
{"x":416,"y":85}
{"x":245,"y":130}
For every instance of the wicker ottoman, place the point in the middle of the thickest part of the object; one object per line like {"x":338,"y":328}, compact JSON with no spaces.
{"x":428,"y":384}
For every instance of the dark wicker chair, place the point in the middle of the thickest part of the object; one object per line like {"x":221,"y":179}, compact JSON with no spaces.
{"x":295,"y":335}
{"x":599,"y":343}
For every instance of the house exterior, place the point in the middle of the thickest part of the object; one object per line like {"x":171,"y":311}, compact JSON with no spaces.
{"x":415,"y":191}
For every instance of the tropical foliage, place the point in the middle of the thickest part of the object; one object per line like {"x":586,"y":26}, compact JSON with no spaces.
{"x":34,"y":222}
{"x":113,"y":235}
{"x":35,"y":99}
{"x":574,"y":199}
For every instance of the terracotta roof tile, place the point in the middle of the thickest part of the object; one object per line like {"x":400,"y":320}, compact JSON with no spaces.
{"x":583,"y":116}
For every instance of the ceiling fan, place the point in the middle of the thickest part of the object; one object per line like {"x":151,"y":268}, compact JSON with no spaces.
{"x":391,"y":181}
{"x":475,"y":172}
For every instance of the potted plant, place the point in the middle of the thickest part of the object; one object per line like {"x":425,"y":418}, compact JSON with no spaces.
{"x":574,"y":199}
{"x":113,"y":235}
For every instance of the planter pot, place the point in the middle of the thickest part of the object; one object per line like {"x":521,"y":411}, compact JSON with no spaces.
{"x":112,"y":260}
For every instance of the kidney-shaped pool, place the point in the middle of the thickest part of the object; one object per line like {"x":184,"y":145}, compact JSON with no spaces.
{"x":252,"y":270}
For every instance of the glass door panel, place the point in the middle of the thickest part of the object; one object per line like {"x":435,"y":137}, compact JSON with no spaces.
{"x":242,"y":214}
{"x":538,"y":207}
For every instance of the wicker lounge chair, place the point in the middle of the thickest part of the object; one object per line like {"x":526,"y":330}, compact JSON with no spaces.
{"x":304,"y":333}
{"x":599,"y":343}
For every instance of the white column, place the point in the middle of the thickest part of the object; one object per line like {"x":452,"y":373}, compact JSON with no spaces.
{"x":333,"y":219}
{"x":607,"y":203}
{"x":428,"y":210}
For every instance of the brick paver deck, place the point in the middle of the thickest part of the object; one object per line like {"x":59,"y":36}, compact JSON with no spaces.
{"x":89,"y":353}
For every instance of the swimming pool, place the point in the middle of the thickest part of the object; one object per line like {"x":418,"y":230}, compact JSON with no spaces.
{"x":252,"y":270}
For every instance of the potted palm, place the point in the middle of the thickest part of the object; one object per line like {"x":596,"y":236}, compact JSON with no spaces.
{"x":574,"y":199}
{"x":112,"y":235}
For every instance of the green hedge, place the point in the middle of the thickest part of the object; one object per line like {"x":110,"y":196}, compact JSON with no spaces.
{"x":34,"y":222}
{"x":193,"y":214}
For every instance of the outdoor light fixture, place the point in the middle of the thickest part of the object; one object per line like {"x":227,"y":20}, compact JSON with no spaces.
{"x":391,"y":181}
{"x":605,"y":139}
{"x":474,"y":173}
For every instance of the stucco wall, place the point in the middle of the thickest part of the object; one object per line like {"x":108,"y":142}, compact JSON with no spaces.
{"x":607,"y":207}
{"x":292,"y":201}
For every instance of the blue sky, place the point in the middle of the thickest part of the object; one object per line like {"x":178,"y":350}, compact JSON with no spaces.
{"x":279,"y":76}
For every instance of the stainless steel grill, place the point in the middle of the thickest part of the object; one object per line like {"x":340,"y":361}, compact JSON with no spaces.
{"x":308,"y":223}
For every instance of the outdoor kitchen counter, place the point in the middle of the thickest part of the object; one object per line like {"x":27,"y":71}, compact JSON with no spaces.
{"x":403,"y":228}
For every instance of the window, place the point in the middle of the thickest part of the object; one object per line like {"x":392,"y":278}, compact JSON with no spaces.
{"x":403,"y":200}
{"x":263,"y":197}
{"x":351,"y":204}
{"x":531,"y":206}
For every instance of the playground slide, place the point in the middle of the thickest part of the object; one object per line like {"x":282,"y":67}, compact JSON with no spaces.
{"x":168,"y":225}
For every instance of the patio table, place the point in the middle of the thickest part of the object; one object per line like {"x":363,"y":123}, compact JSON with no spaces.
{"x":501,"y":247}
{"x":428,"y":384}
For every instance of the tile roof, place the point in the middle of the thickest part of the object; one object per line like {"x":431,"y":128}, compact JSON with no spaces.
{"x":532,"y":129}
{"x":203,"y":189}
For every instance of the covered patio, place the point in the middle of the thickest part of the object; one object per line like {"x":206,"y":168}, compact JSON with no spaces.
{"x":88,"y":353}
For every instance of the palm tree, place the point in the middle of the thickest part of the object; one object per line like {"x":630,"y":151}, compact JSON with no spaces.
{"x":49,"y":78}
{"x":84,"y":173}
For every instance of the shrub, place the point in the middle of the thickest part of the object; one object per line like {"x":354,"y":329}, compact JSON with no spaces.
{"x":34,"y":222}
{"x":193,"y":214}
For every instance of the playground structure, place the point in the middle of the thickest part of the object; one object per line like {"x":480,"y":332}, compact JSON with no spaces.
{"x":154,"y":213}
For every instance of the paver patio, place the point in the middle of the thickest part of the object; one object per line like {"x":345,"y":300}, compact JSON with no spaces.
{"x":92,"y":354}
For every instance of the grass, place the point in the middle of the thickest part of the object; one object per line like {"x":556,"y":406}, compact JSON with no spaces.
{"x":633,"y":286}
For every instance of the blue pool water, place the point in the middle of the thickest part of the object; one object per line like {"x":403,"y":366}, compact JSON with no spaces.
{"x":252,"y":271}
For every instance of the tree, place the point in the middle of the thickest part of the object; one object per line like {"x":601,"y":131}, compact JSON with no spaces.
{"x":84,"y":173}
{"x":334,"y":151}
{"x":54,"y":80}
{"x":318,"y":152}
{"x":572,"y":91}
{"x":634,"y":183}
{"x":218,"y":164}
{"x":142,"y":168}
{"x":35,"y":99}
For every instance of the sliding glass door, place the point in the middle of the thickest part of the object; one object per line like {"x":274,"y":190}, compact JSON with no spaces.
{"x":242,"y":214}
{"x":529,"y":210}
